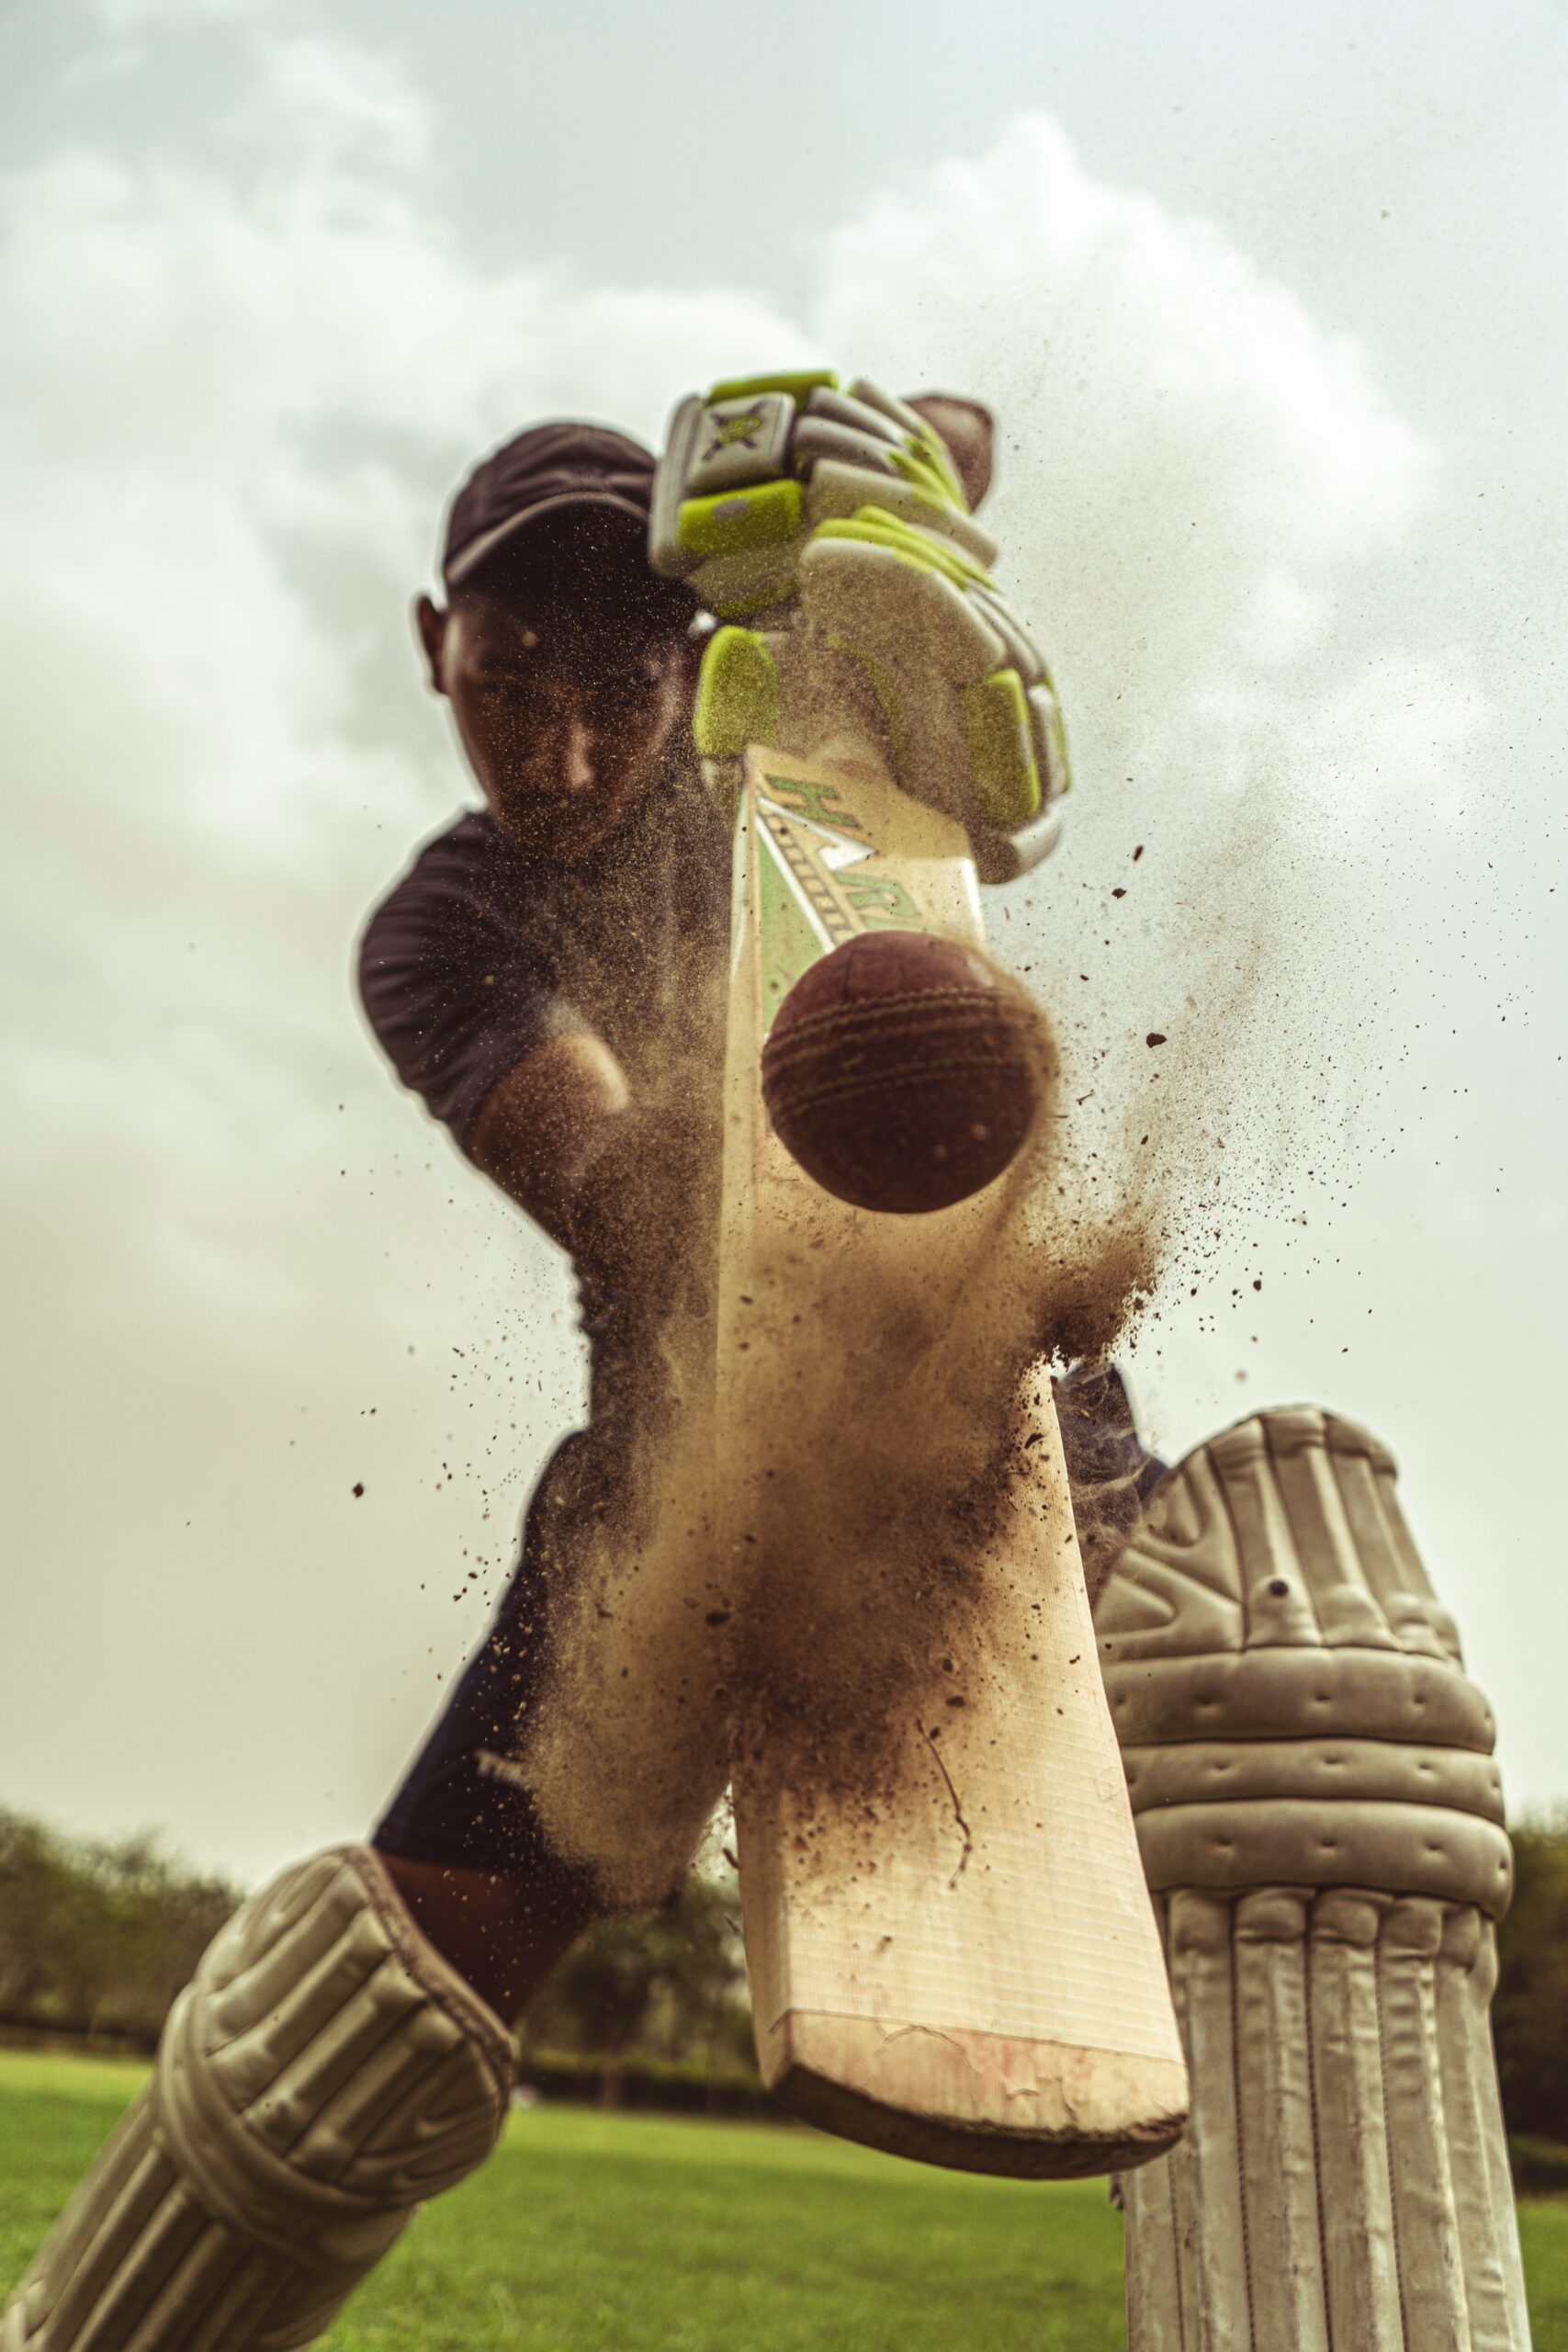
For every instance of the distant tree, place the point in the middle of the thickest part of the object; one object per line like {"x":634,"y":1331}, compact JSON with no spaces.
{"x":1529,"y":2014}
{"x":668,"y":1986}
{"x":37,"y":1896}
{"x":98,"y":1934}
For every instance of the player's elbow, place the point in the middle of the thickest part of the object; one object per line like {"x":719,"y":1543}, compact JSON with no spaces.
{"x":543,"y":1125}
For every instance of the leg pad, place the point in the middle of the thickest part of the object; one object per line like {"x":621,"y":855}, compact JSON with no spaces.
{"x":323,"y":2073}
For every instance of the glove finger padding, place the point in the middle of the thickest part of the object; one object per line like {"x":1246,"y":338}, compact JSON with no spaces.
{"x":838,"y":516}
{"x":749,"y":470}
{"x":965,"y":698}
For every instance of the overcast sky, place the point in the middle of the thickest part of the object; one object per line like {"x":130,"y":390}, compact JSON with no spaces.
{"x":1269,"y":304}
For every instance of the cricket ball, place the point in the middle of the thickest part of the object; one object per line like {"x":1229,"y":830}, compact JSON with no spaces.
{"x":903,"y":1071}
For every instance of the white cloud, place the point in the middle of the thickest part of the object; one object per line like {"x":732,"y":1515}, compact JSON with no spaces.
{"x":1194,"y":480}
{"x":237,"y":401}
{"x":139,"y":16}
{"x":336,"y":102}
{"x":1190,"y":464}
{"x":237,"y":407}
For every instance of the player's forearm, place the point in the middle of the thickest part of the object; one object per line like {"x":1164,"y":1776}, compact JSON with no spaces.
{"x":541,"y":1129}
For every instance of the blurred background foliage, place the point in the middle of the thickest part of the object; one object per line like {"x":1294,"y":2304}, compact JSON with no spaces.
{"x":97,"y":1936}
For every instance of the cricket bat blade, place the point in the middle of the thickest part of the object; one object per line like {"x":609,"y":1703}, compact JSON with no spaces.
{"x":953,"y":1956}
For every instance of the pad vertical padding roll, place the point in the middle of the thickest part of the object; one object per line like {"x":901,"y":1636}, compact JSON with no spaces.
{"x":324,"y":2070}
{"x":1311,"y":1774}
{"x":1344,"y":2177}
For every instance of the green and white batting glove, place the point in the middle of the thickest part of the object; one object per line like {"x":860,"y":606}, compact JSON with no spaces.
{"x":784,"y":502}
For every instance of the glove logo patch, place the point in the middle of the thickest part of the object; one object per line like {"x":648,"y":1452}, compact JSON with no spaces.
{"x":744,"y":432}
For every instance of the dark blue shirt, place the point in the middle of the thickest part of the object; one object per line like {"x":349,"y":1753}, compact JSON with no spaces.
{"x":480,"y":954}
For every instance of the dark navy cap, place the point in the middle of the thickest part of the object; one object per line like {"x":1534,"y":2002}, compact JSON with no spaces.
{"x":548,"y":470}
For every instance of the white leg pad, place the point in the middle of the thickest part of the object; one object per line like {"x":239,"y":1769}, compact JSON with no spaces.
{"x":1321,"y":1821}
{"x":323,"y":2073}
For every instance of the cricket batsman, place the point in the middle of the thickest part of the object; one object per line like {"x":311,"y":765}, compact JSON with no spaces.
{"x":547,"y":977}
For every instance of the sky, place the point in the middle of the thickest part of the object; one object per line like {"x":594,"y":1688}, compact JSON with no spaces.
{"x":1269,"y":305}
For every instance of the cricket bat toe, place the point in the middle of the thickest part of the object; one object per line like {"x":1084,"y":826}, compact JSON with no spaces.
{"x":976,"y":2102}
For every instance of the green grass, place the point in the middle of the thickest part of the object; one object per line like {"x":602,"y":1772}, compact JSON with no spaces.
{"x":594,"y":2232}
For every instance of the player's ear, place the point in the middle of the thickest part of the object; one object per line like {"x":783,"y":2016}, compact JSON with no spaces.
{"x":686,"y":658}
{"x":969,"y":430}
{"x":430,"y":623}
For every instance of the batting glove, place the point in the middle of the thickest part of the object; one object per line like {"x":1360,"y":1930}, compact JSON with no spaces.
{"x":781,"y":499}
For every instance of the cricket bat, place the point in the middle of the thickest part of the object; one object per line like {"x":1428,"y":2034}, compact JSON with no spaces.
{"x":966,"y":1970}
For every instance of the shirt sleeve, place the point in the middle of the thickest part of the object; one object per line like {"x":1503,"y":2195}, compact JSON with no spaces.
{"x":456,"y":995}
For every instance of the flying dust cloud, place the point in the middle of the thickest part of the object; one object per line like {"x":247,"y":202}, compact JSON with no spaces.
{"x":795,"y":1555}
{"x":1189,"y":471}
{"x":782,"y":1613}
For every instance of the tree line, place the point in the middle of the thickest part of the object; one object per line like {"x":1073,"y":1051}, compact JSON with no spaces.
{"x":97,"y":1937}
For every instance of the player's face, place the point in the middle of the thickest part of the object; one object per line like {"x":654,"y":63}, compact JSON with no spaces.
{"x":563,"y":727}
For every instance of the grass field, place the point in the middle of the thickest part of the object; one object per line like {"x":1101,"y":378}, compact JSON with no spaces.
{"x":603,"y":2234}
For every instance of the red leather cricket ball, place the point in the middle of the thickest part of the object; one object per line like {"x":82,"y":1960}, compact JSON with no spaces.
{"x":903,"y":1071}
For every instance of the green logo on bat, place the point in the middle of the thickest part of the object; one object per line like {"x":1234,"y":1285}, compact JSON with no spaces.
{"x":881,"y":905}
{"x":817,"y":804}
